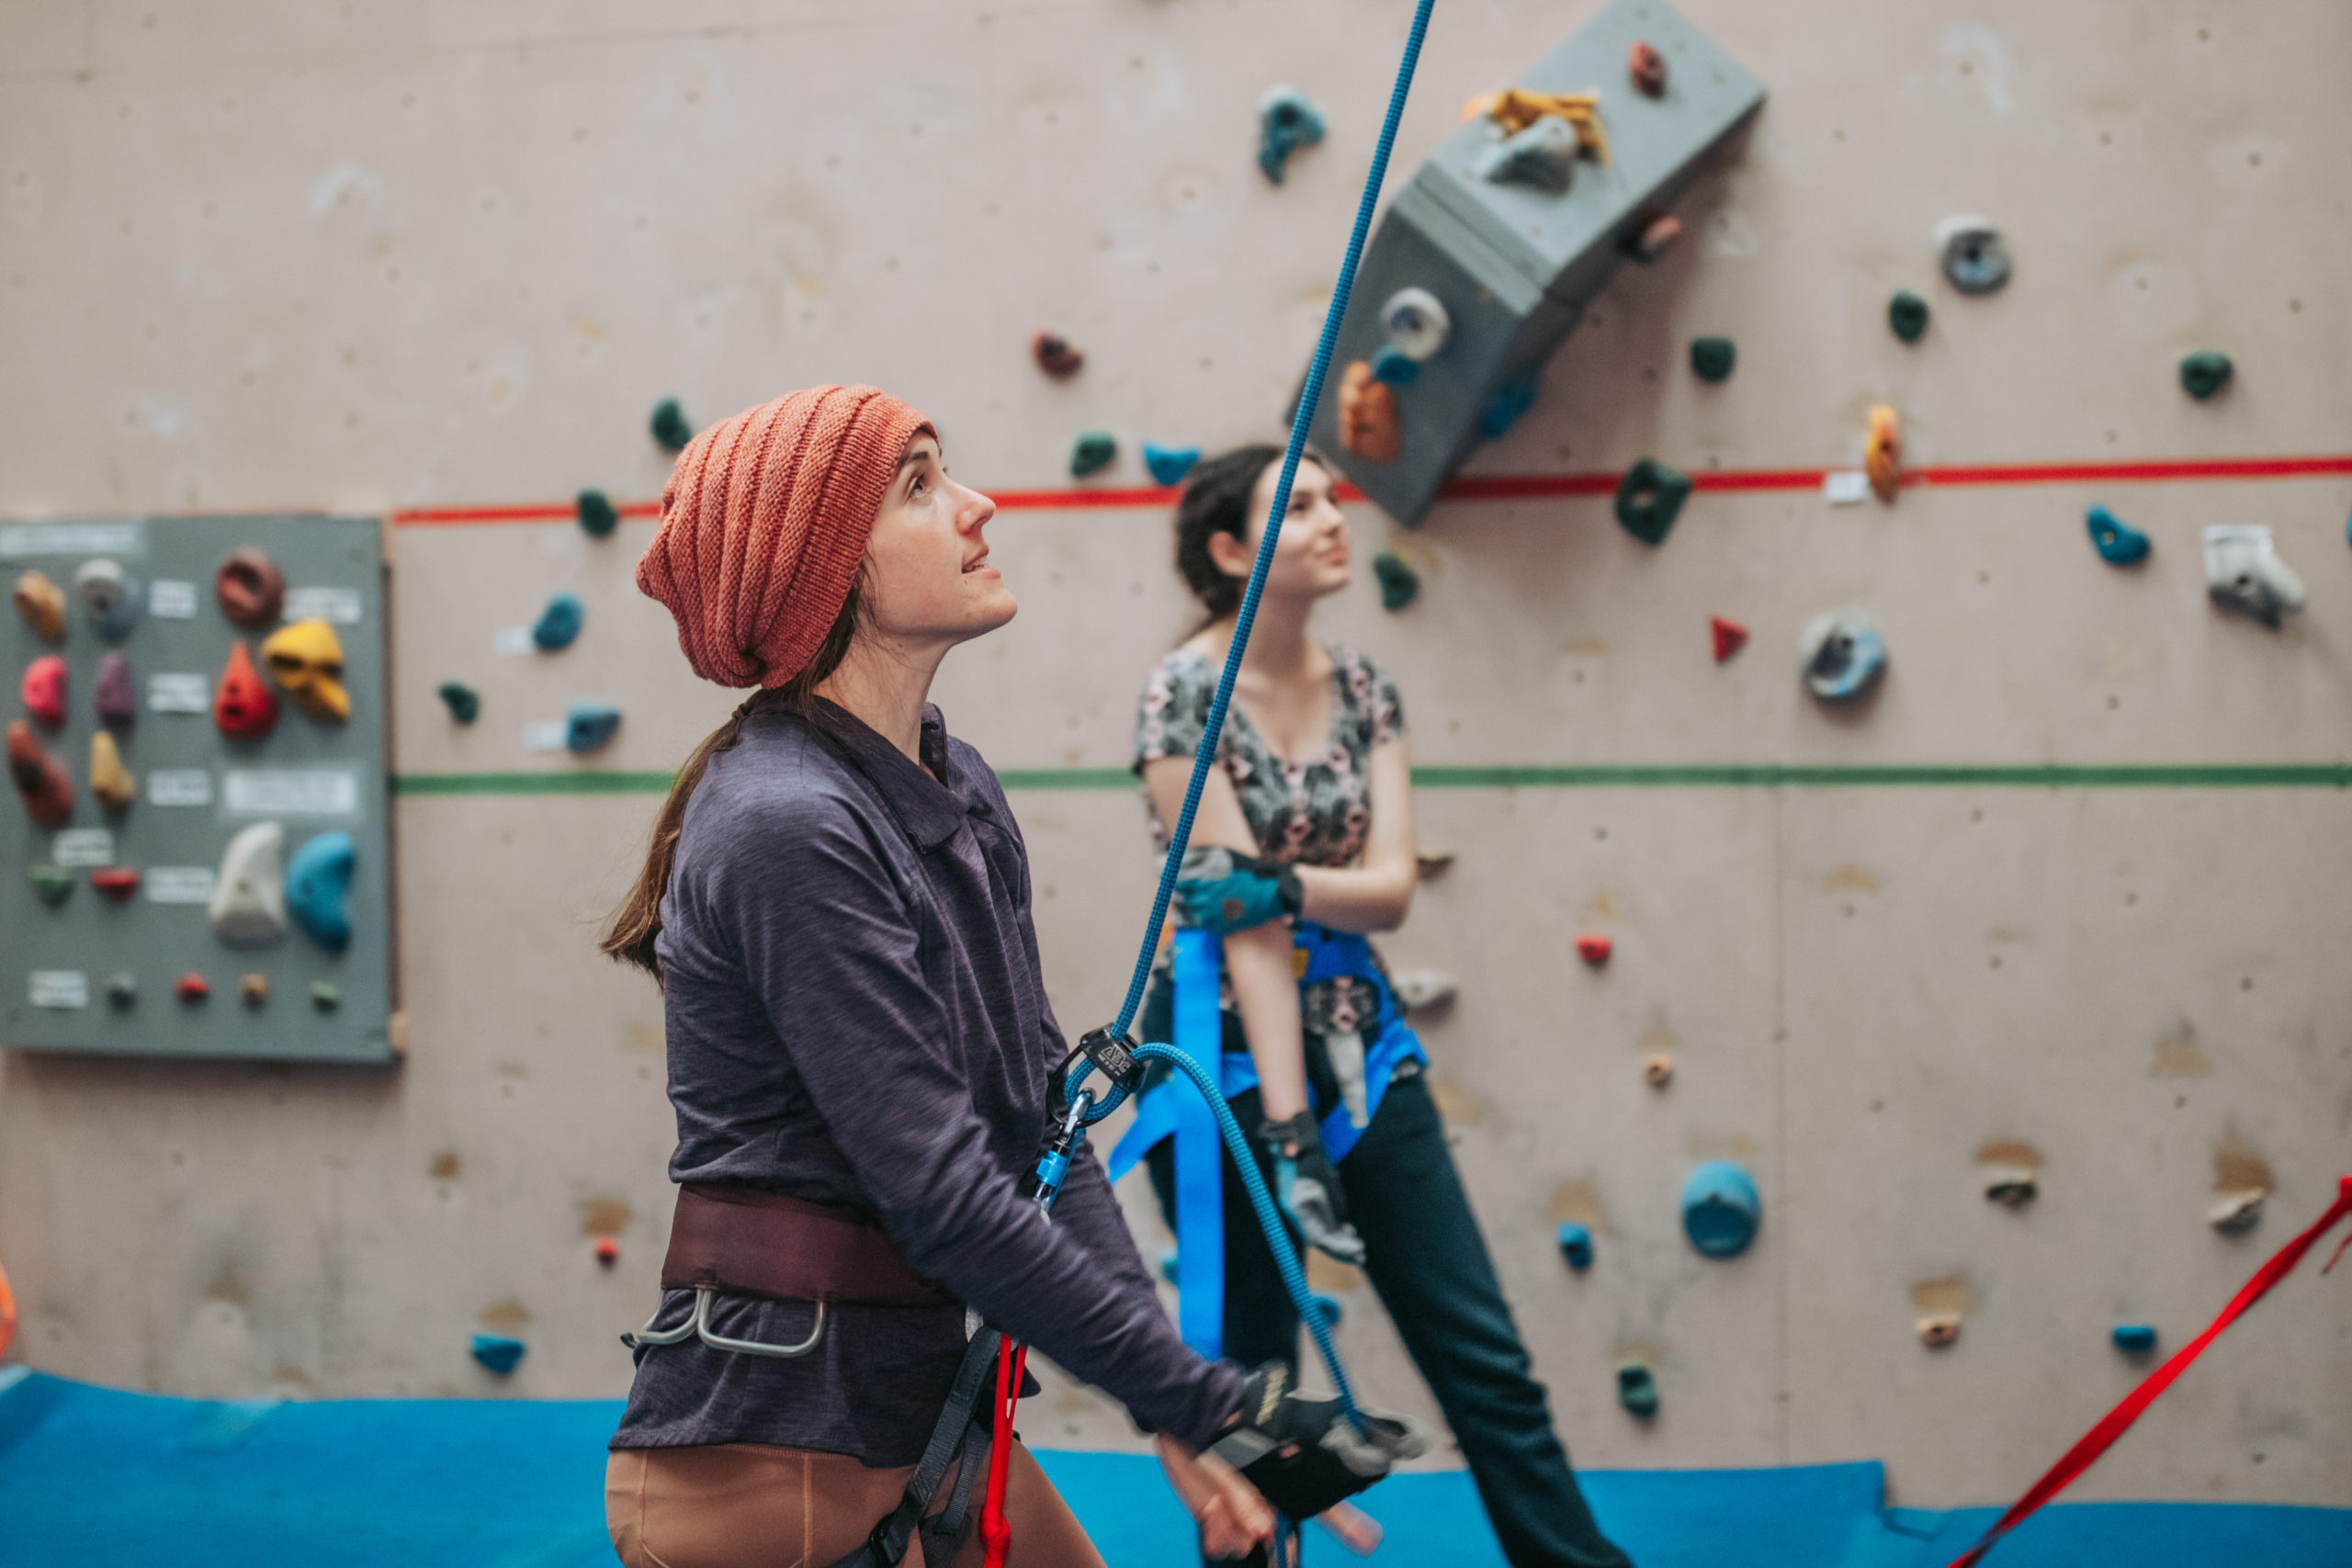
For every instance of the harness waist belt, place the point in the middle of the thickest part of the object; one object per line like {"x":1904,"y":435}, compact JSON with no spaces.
{"x":749,"y":1242}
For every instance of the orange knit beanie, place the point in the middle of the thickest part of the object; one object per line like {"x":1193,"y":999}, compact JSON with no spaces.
{"x":763,"y":523}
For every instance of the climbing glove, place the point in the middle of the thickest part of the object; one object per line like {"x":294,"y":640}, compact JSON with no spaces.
{"x":1224,"y":891}
{"x":1302,"y":1452}
{"x":1307,"y":1186}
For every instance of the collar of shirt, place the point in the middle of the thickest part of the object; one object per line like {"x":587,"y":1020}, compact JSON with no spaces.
{"x":929,"y":809}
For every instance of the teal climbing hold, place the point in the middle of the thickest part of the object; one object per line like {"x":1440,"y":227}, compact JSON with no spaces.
{"x":1286,"y":123}
{"x":1328,"y":1308}
{"x":2134,"y":1337}
{"x":1394,"y":367}
{"x":2118,"y":542}
{"x":1636,"y":1390}
{"x":1092,"y":452}
{"x":318,"y":881}
{"x":560,"y":623}
{"x":499,"y":1353}
{"x":1649,"y":498}
{"x":1399,"y":582}
{"x":463,"y":702}
{"x":1509,"y":400}
{"x":1906,"y":315}
{"x":1168,"y":465}
{"x":1721,"y":1207}
{"x":587,"y":725}
{"x":597,"y":512}
{"x":1712,"y":357}
{"x":669,"y":425}
{"x":1168,"y":1267}
{"x":1576,"y":1245}
{"x":2204,"y":373}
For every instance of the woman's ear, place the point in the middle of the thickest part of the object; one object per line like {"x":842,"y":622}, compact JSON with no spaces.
{"x":1230,"y":554}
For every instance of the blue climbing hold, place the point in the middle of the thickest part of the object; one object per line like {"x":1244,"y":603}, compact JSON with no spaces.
{"x":1286,"y":123}
{"x":1168,"y":465}
{"x":1576,"y":1245}
{"x":2120,"y":544}
{"x":1393,"y":366}
{"x":1328,"y":1309}
{"x":1509,"y":400}
{"x":318,"y":881}
{"x":1844,"y":656}
{"x":2135,"y":1337}
{"x":560,"y":623}
{"x":1168,"y":1267}
{"x":1721,"y":1208}
{"x":499,"y":1353}
{"x":588,"y":725}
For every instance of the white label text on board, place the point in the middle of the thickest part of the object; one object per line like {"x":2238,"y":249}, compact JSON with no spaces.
{"x":83,"y":846}
{"x":179,"y":787}
{"x":178,"y":694}
{"x":291,"y":791}
{"x":340,"y":605}
{"x":58,"y":988}
{"x":172,"y":600}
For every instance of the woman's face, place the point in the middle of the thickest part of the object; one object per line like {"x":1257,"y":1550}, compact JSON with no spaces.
{"x":927,"y":574}
{"x":1311,"y":559}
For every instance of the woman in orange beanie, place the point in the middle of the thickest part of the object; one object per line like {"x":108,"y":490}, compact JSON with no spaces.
{"x":836,"y":905}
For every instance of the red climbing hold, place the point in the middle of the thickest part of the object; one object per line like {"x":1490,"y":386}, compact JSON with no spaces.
{"x":1730,"y":637}
{"x":608,"y":1250}
{"x":43,"y":783}
{"x":1055,"y":355}
{"x":242,"y":705}
{"x":191,"y":987}
{"x":1593,"y":947}
{"x":1648,"y":67}
{"x":116,"y":881}
{"x":43,"y":689}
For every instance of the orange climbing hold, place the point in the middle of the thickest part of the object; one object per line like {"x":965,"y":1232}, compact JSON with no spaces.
{"x":42,"y":605}
{"x":1883,"y":454}
{"x":1369,"y":425}
{"x":243,"y":708}
{"x":1593,"y":947}
{"x":1730,"y":637}
{"x":42,"y":781}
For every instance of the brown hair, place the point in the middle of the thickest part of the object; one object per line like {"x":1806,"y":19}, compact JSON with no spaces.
{"x":629,"y":938}
{"x":1216,"y":500}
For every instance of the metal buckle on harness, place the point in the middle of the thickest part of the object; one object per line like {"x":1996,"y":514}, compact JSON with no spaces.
{"x":698,"y":1325}
{"x":1114,"y":1058}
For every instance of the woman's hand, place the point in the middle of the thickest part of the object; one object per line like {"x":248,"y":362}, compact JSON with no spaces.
{"x":1231,"y":1514}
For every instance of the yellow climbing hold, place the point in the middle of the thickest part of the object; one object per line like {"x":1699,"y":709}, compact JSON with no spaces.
{"x":307,"y":659}
{"x":1882,"y":456}
{"x":110,"y":780}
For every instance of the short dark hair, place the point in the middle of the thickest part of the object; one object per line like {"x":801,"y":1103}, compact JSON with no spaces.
{"x":1216,"y":500}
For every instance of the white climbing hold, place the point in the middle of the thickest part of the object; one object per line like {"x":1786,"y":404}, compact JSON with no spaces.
{"x":2235,"y":1212}
{"x":2243,"y":571}
{"x":1419,"y":988}
{"x":1542,"y":155}
{"x":1416,"y":323}
{"x":248,"y":908}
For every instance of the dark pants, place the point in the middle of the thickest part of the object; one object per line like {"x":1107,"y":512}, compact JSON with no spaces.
{"x":1426,"y":1258}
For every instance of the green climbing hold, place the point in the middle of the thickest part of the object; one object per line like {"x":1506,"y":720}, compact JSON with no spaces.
{"x":51,"y":884}
{"x":1712,"y":357}
{"x":464,"y":702}
{"x":1906,"y":315}
{"x":669,"y":425}
{"x":1092,"y":452}
{"x":1399,"y":582}
{"x":1636,"y":1390}
{"x":325,"y":995}
{"x":2204,"y":373}
{"x":595,"y":513}
{"x":1649,"y":498}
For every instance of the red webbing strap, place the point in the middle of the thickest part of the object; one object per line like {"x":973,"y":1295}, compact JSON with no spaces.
{"x":996,"y":1531}
{"x":2111,"y":1426}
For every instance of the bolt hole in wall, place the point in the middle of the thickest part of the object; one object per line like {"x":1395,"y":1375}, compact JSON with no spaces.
{"x":1856,"y":365}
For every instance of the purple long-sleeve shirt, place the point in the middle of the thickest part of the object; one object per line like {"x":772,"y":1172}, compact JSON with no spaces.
{"x":857,"y":1016}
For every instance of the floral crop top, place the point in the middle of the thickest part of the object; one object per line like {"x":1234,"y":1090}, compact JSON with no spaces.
{"x":1312,"y":813}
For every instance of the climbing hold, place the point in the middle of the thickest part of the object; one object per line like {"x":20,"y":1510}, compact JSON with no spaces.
{"x":1939,"y":1329}
{"x":2118,"y":542}
{"x":243,"y":708}
{"x":1168,"y":465}
{"x":2237,"y":1212}
{"x":1430,"y":862}
{"x":248,"y":906}
{"x":111,"y":782}
{"x":1542,"y":155}
{"x":253,"y":989}
{"x":118,"y":695}
{"x":1576,"y":1245}
{"x":1906,"y":315}
{"x":318,"y":880}
{"x":325,"y":995}
{"x":560,"y":623}
{"x":1729,"y":635}
{"x":1652,"y":239}
{"x":597,"y":512}
{"x":1658,"y":1069}
{"x":1399,"y":582}
{"x":2204,"y":373}
{"x":2243,"y":572}
{"x":608,"y":1250}
{"x":2013,"y":1186}
{"x":116,"y":881}
{"x":1636,"y":1390}
{"x":43,"y":689}
{"x":1649,"y":498}
{"x":307,"y":659}
{"x":1326,"y":1308}
{"x":1593,"y":947}
{"x":1842,"y":655}
{"x":50,"y":883}
{"x":43,"y":783}
{"x":497,"y":1352}
{"x":1392,"y":366}
{"x":1646,"y":66}
{"x":1168,"y":1270}
{"x":42,"y":605}
{"x":1974,"y":258}
{"x":464,"y":702}
{"x":109,"y":597}
{"x":2133,"y":1337}
{"x":669,"y":425}
{"x":1508,"y":402}
{"x":1286,"y":123}
{"x":123,"y":988}
{"x":588,"y":725}
{"x":1424,"y":989}
{"x":1712,"y":357}
{"x":249,"y":589}
{"x":191,"y":987}
{"x":1721,"y":1207}
{"x":1883,"y":453}
{"x":1092,"y":452}
{"x":1369,"y":425}
{"x":1416,"y":323}
{"x":1055,"y":355}
{"x":1516,"y":109}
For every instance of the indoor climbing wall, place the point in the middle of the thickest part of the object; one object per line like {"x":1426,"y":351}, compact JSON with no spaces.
{"x":1842,"y":800}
